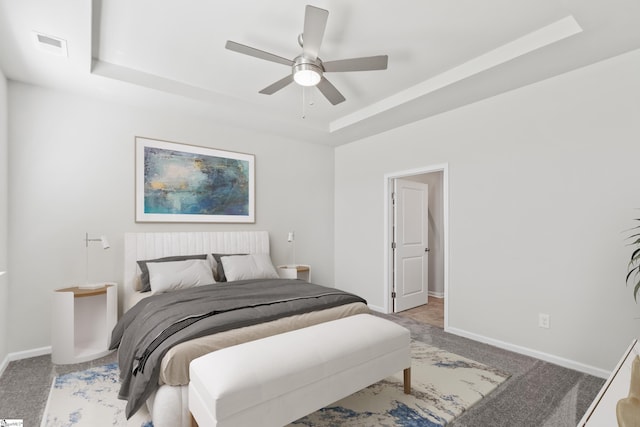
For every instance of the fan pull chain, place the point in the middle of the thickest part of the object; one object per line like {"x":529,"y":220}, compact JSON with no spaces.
{"x":311,"y":103}
{"x":311,"y":97}
{"x":304,"y":103}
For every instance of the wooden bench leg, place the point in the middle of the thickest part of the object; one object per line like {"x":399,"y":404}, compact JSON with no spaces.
{"x":194,"y":423}
{"x":407,"y":381}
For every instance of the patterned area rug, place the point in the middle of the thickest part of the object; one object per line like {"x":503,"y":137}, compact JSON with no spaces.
{"x":443,"y":386}
{"x":88,"y":398}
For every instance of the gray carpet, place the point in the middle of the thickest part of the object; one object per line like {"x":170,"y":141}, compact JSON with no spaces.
{"x":538,"y":394}
{"x":25,"y":385}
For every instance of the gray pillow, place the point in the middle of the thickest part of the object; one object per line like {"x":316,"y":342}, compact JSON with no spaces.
{"x":144,"y":277}
{"x":218,"y":271}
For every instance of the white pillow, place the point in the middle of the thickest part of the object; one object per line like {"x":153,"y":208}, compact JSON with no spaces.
{"x":245,"y":267}
{"x":174,"y":275}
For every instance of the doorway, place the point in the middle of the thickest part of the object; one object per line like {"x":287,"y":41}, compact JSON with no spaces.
{"x":436,"y":178}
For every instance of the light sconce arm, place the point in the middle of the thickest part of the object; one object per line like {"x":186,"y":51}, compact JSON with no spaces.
{"x":102,"y":239}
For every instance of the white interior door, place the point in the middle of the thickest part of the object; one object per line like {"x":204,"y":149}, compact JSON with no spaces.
{"x":411,"y":233}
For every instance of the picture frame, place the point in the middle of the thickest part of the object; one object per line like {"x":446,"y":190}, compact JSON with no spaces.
{"x":186,"y":183}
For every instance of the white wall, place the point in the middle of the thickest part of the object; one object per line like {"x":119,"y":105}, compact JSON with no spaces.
{"x":543,"y":182}
{"x":72,"y":171}
{"x":4,"y":292}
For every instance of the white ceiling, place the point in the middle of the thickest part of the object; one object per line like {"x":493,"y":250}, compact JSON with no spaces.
{"x":442,"y":54}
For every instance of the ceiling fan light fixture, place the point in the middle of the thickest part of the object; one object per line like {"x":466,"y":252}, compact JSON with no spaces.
{"x":307,"y":74}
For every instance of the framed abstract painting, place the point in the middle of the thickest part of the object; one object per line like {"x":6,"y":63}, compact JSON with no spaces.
{"x":186,"y":183}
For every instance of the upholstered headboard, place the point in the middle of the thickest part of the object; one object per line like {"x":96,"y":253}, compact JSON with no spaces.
{"x":141,"y":246}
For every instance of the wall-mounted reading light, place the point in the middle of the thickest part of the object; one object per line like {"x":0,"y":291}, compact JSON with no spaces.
{"x":105,"y":245}
{"x":103,"y":239}
{"x":291,"y":238}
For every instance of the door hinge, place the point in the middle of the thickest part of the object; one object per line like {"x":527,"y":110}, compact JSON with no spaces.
{"x":393,"y":245}
{"x":393,"y":294}
{"x":393,"y":198}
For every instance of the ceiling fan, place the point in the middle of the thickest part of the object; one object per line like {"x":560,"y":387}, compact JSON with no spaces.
{"x":307,"y":69}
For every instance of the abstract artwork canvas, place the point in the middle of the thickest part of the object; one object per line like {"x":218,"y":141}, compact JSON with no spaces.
{"x":186,"y":183}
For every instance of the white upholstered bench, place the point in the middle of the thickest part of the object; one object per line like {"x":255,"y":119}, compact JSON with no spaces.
{"x":276,"y":380}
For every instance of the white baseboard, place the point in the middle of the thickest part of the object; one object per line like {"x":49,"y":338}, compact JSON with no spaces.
{"x":4,"y":364}
{"x":19,"y":355}
{"x":566,"y":363}
{"x":378,"y":309}
{"x":436,"y":294}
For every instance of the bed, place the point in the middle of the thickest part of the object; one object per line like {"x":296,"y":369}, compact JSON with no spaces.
{"x":167,"y":403}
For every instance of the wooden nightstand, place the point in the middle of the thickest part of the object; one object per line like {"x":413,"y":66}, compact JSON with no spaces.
{"x":299,"y":271}
{"x":82,"y":320}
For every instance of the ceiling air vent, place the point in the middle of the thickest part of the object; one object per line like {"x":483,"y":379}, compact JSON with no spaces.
{"x":50,"y":44}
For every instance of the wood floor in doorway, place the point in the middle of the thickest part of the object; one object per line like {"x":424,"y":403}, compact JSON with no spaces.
{"x":431,"y":313}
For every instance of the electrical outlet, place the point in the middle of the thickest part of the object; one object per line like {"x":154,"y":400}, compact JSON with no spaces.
{"x":544,"y":320}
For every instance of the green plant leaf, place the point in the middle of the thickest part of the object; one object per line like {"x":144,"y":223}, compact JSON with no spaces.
{"x":636,"y":269}
{"x":634,"y":261}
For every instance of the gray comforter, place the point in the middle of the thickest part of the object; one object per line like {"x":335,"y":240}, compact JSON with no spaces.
{"x":148,"y":330}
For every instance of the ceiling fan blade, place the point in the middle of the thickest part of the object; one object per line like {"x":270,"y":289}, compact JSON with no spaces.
{"x":273,"y":88}
{"x":367,"y":63}
{"x":330,"y":92}
{"x":315,"y":22}
{"x":252,"y":51}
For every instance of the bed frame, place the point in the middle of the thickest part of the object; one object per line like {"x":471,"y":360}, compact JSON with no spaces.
{"x":168,"y":406}
{"x":140,"y":246}
{"x":171,"y":409}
